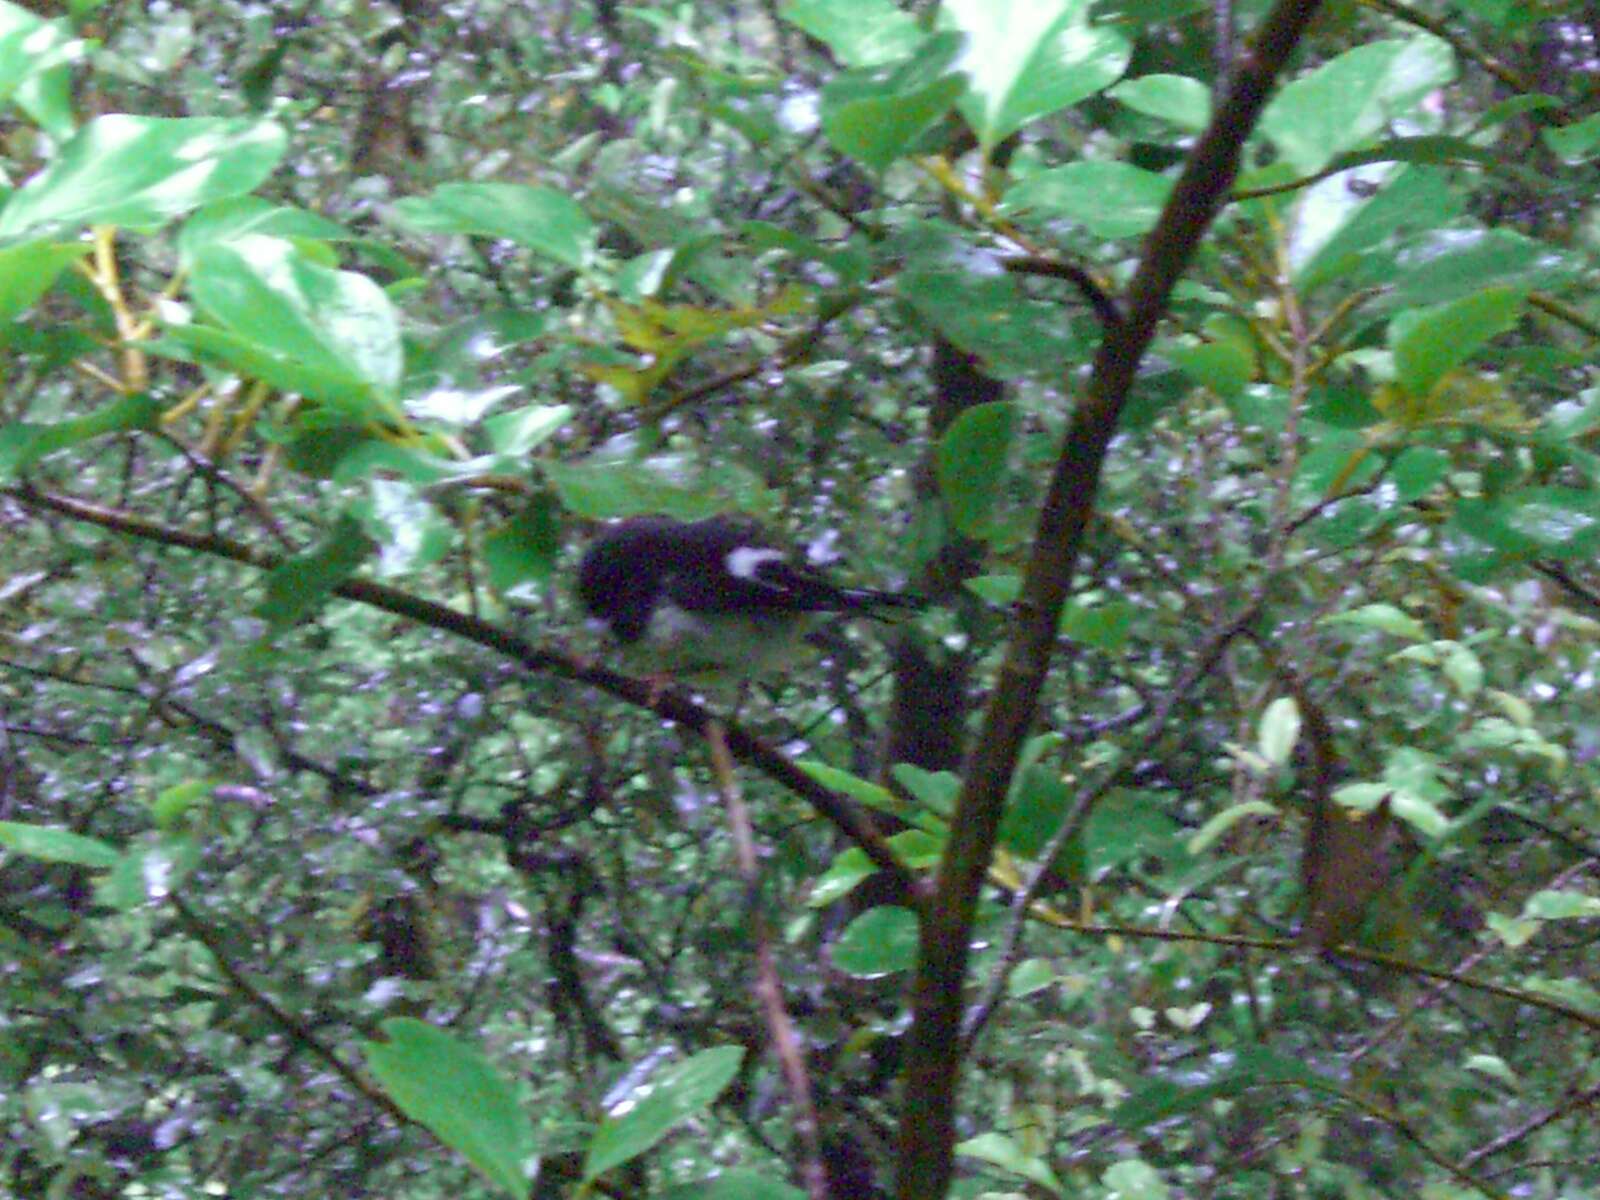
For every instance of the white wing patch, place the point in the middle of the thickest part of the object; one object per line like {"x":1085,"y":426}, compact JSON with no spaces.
{"x":745,"y":561}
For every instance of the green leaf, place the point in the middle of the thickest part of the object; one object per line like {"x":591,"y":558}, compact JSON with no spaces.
{"x":408,"y":531}
{"x":1353,"y":98}
{"x":1134,"y":1179}
{"x":526,"y":429}
{"x":35,"y":60}
{"x":1126,"y":827}
{"x":873,"y":795}
{"x":123,"y":170}
{"x":966,"y":294}
{"x":149,"y":871}
{"x":523,"y":548}
{"x":22,"y":444}
{"x":1032,"y":975}
{"x":1279,"y":730}
{"x":1183,"y":101}
{"x":996,"y":589}
{"x":544,"y":220}
{"x":1111,"y":199}
{"x":1429,"y":343}
{"x":1576,"y":142}
{"x":734,"y":1185}
{"x":57,"y":845}
{"x":875,"y":114}
{"x":228,"y":219}
{"x":1104,"y":624}
{"x":1558,"y":905}
{"x":1229,"y":1074}
{"x":936,"y":791}
{"x":1417,"y":470}
{"x":297,"y":586}
{"x":998,"y":1150}
{"x":1334,"y":223}
{"x":29,"y":270}
{"x":451,"y":1088}
{"x":879,"y":942}
{"x":670,"y":1097}
{"x":1384,"y":617}
{"x":1225,"y":367}
{"x":1028,"y":58}
{"x":331,"y":335}
{"x":1209,"y":833}
{"x":603,"y":490}
{"x":1446,"y":264}
{"x":971,"y":464}
{"x":861,"y":33}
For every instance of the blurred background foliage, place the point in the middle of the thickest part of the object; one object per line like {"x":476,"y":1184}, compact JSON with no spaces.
{"x":412,"y":294}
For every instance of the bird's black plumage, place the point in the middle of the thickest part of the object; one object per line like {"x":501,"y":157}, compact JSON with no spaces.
{"x":711,"y":592}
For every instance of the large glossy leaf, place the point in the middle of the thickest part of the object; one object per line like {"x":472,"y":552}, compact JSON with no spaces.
{"x":542,"y":219}
{"x":450,"y":1087}
{"x":879,"y":942}
{"x":971,"y":464}
{"x":1111,"y":199}
{"x":861,"y":33}
{"x":1449,"y":263}
{"x":331,"y":335}
{"x":968,"y":296}
{"x":27,"y":272}
{"x":123,"y":170}
{"x":670,"y":1097}
{"x":1351,"y":99}
{"x":875,"y":114}
{"x":1428,"y":343}
{"x":1184,"y":101}
{"x":1341,"y":217}
{"x":35,"y":58}
{"x":1028,"y":58}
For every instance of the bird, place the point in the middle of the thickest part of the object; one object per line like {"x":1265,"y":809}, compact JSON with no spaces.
{"x":710,"y":601}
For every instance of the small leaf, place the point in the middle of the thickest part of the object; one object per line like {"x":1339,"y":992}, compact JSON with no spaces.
{"x":1032,"y":975}
{"x":298,"y":585}
{"x":542,"y":219}
{"x":22,"y":444}
{"x":149,"y":871}
{"x":670,"y":1097}
{"x":998,"y":1150}
{"x":879,"y":942}
{"x":971,"y":464}
{"x":57,"y":845}
{"x":1112,"y":200}
{"x":1279,"y":730}
{"x":450,"y":1086}
{"x":1384,"y":617}
{"x":1213,"y":829}
{"x":1183,"y":101}
{"x":1554,"y":905}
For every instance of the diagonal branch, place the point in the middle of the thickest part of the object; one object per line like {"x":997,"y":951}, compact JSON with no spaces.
{"x":670,"y":705}
{"x":933,"y":1052}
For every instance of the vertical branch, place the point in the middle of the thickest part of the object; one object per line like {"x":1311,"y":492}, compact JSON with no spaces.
{"x":768,"y":988}
{"x":933,"y":1052}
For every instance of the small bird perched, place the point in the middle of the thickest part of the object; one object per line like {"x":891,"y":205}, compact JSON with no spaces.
{"x":703,"y":600}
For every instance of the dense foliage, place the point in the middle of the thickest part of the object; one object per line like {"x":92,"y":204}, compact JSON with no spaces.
{"x":1228,"y":825}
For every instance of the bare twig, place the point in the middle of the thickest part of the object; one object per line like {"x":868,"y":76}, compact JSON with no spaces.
{"x":791,"y":1056}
